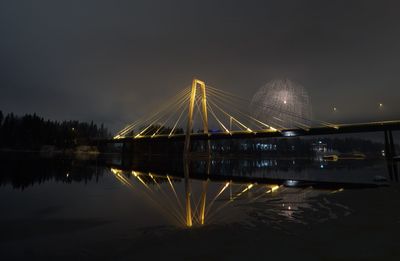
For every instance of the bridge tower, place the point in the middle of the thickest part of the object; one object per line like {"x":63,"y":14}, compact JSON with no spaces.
{"x":196,"y":83}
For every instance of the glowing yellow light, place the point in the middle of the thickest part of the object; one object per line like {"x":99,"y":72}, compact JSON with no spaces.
{"x":273,"y":187}
{"x":222,"y":190}
{"x":216,"y":196}
{"x":188,"y":211}
{"x":173,"y":189}
{"x":140,"y":179}
{"x":115,"y":171}
{"x":121,"y":178}
{"x":248,"y":187}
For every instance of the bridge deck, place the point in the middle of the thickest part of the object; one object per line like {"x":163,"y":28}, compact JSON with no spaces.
{"x":339,"y":129}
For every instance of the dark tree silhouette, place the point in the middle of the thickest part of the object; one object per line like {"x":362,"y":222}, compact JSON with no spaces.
{"x":31,"y":132}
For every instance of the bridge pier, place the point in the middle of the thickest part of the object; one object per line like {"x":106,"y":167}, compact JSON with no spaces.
{"x":392,"y":146}
{"x":127,"y":152}
{"x":390,"y":153}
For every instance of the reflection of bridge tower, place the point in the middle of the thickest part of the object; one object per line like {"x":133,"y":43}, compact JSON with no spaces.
{"x":189,"y":130}
{"x":192,"y":101}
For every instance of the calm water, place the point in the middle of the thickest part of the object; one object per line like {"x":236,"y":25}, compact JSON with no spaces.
{"x":111,"y":209}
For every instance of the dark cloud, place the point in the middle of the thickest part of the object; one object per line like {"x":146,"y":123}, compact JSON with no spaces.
{"x":109,"y":60}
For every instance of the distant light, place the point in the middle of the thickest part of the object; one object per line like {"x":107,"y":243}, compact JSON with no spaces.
{"x":284,"y":101}
{"x":289,"y":133}
{"x":334,"y":109}
{"x":322,"y":166}
{"x":291,"y":183}
{"x":338,"y":190}
{"x":67,"y":175}
{"x":380,"y":105}
{"x":73,"y":129}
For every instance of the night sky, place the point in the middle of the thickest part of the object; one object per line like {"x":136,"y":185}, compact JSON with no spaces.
{"x":109,"y":61}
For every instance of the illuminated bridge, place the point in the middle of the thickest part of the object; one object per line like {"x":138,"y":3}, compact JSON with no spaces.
{"x":217,"y":115}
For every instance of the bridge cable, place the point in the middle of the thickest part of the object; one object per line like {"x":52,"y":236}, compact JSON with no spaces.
{"x":300,"y":125}
{"x":232,"y":96}
{"x":162,"y":114}
{"x":215,"y":116}
{"x":166,"y":105}
{"x":172,"y":114}
{"x":220,"y":101}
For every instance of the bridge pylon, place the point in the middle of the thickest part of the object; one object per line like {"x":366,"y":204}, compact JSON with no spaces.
{"x":196,"y":83}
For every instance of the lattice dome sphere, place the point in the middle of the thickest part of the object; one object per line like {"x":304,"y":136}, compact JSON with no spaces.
{"x":282,"y":104}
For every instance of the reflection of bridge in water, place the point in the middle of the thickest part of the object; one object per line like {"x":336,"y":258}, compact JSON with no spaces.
{"x":199,"y":192}
{"x":202,"y":202}
{"x":189,"y":210}
{"x":206,"y":187}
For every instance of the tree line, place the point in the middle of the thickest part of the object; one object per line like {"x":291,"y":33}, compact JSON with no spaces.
{"x":31,"y":131}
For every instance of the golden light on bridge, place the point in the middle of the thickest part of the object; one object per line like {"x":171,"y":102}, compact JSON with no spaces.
{"x":220,"y":109}
{"x":219,"y":105}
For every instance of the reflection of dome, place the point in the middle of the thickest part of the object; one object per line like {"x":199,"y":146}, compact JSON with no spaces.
{"x":282,"y":104}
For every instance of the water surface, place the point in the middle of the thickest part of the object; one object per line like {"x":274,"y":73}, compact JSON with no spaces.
{"x":105,"y":208}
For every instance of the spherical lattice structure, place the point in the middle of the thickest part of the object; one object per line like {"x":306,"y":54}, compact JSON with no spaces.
{"x":283,"y":104}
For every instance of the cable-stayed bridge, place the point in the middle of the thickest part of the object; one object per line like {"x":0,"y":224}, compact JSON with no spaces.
{"x":203,"y":112}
